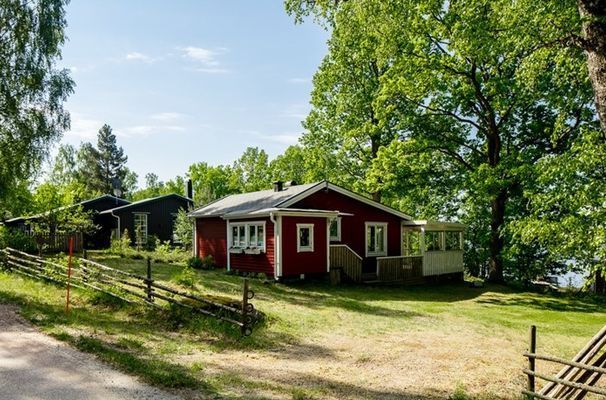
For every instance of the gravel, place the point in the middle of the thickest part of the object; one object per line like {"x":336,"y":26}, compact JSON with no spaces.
{"x":35,"y":366}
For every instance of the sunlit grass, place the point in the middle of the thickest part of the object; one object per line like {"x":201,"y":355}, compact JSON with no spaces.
{"x":179,"y":350}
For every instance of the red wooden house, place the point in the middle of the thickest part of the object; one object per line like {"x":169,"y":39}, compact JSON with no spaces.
{"x":302,"y":230}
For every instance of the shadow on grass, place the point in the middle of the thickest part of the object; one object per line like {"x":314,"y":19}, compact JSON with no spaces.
{"x":311,"y":386}
{"x":547,"y":302}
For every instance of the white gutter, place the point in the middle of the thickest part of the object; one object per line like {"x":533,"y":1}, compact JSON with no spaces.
{"x":118,"y":218}
{"x":277,"y":246}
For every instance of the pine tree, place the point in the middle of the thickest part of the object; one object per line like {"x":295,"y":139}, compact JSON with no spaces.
{"x":111,"y":160}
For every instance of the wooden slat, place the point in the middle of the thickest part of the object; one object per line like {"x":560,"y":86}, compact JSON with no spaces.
{"x":563,"y":382}
{"x":566,"y":362}
{"x":399,"y":269}
{"x":347,"y":259}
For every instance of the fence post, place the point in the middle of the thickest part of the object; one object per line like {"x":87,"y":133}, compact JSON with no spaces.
{"x":148,"y":282}
{"x":245,"y":326}
{"x":531,"y":360}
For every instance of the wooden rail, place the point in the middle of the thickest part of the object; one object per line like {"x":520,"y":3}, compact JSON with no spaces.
{"x":576,"y":379}
{"x":399,"y":268}
{"x":134,"y":288}
{"x":342,"y":256}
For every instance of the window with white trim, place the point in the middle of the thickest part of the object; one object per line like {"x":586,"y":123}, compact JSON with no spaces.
{"x":140,"y":220}
{"x":376,"y":239}
{"x":305,"y":237}
{"x":247,"y":235}
{"x":335,"y":229}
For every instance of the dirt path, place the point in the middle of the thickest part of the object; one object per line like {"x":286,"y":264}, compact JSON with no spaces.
{"x":35,"y":366}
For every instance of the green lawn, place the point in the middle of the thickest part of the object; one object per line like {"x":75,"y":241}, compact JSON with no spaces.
{"x":319,"y":341}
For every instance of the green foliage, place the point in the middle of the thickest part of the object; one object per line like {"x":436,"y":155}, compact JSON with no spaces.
{"x":187,"y":277}
{"x":33,"y":89}
{"x":17,"y":240}
{"x":195,"y":263}
{"x":447,"y":108}
{"x":568,"y":217}
{"x":183,"y":229}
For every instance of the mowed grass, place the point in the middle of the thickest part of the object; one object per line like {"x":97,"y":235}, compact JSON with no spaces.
{"x":319,"y":341}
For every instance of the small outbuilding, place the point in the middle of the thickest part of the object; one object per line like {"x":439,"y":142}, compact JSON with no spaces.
{"x":313,"y":229}
{"x":154,"y":216}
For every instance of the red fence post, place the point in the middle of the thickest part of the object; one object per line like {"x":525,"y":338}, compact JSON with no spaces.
{"x":69,"y":272}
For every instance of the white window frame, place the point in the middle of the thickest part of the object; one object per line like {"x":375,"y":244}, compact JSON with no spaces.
{"x":247,"y":244}
{"x":310,"y":248}
{"x":146,"y":232}
{"x":385,"y":236}
{"x":338,"y":237}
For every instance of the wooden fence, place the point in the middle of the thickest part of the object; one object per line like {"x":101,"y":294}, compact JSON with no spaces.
{"x":132,"y":288}
{"x":56,"y":242}
{"x":341,"y":256}
{"x":400,"y":269}
{"x":578,"y":377}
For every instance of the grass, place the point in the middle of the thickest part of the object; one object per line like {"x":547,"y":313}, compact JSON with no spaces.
{"x":319,"y":341}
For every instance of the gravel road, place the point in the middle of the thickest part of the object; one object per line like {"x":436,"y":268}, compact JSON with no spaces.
{"x":34,"y":366}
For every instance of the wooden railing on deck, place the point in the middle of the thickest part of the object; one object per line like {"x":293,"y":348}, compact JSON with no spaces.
{"x":342,"y":256}
{"x":399,"y":268}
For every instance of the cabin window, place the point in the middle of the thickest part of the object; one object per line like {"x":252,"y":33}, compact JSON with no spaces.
{"x":140,"y":220}
{"x":335,"y":229}
{"x":376,"y":239}
{"x":305,"y":237}
{"x":433,"y":241}
{"x":453,"y":240}
{"x":247,"y":235}
{"x":411,"y":243}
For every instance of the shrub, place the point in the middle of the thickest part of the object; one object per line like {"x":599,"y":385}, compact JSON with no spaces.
{"x":17,"y":240}
{"x":208,"y":262}
{"x":151,"y":242}
{"x":195,"y":263}
{"x":186,"y":278}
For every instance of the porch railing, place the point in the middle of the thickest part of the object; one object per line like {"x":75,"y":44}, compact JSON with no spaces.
{"x":342,"y":256}
{"x":399,"y":268}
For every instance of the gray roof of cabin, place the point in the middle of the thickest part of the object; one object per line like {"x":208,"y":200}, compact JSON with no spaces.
{"x":250,"y":202}
{"x":148,"y":200}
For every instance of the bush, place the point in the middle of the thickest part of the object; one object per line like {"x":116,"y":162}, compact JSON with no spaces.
{"x":186,"y":278}
{"x":195,"y":263}
{"x":17,"y":240}
{"x":208,"y":262}
{"x":151,"y":242}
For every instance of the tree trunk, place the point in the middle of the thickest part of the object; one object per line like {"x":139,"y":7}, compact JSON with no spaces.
{"x":600,"y":282}
{"x":495,"y":267}
{"x":593,"y":14}
{"x":374,"y":152}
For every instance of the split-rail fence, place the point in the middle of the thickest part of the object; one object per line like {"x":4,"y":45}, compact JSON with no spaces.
{"x":132,"y":288}
{"x":576,"y":379}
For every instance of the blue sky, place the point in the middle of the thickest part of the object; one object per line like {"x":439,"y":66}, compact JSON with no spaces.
{"x":188,"y":81}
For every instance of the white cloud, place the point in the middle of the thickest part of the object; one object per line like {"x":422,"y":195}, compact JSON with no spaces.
{"x":296,"y":111}
{"x":83,"y":127}
{"x":147,"y":130}
{"x":73,"y":69}
{"x":283,"y":138}
{"x":167,"y":116}
{"x":136,"y":56}
{"x":206,"y":58}
{"x":299,"y":81}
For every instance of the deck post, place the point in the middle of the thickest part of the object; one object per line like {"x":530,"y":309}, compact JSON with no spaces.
{"x":531,"y":360}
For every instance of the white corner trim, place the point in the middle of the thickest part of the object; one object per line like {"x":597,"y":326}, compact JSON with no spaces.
{"x":228,"y":244}
{"x":328,"y":243}
{"x":310,"y":248}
